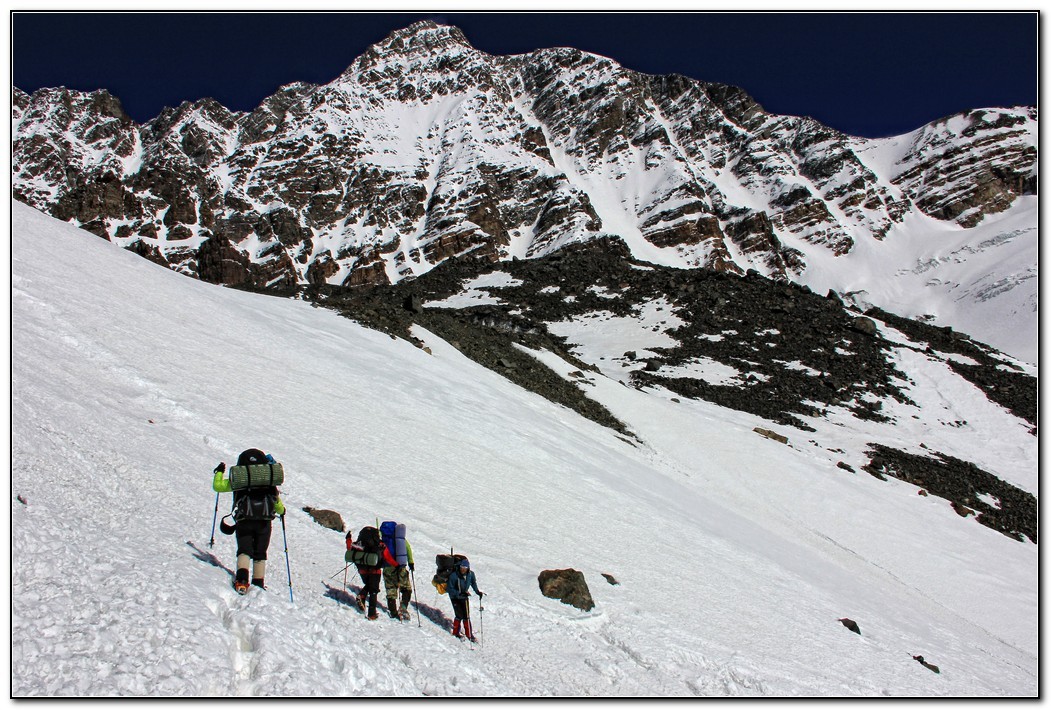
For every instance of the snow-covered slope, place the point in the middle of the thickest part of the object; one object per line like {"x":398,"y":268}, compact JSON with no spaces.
{"x":736,"y":555}
{"x":983,"y":281}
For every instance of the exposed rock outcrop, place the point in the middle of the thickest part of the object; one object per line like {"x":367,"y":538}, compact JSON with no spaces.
{"x":326,"y":518}
{"x":971,"y":491}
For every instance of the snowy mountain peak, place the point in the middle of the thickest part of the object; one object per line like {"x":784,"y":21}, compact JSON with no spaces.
{"x":421,"y":41}
{"x":426,"y":148}
{"x":424,"y":36}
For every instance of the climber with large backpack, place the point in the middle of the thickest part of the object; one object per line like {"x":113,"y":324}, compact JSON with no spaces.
{"x":256,"y":502}
{"x":396,"y":577}
{"x":446,"y":564}
{"x":370,"y":556}
{"x":461,"y":581}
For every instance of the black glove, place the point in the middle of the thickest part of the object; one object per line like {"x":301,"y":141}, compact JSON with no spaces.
{"x":480,"y":595}
{"x":412,"y":566}
{"x":221,"y":468}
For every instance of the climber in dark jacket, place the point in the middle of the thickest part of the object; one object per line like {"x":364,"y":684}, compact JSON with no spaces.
{"x":459,"y":586}
{"x":370,"y":574}
{"x":253,"y":511}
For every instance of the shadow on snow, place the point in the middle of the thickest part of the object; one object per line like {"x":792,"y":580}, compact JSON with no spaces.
{"x":348,"y":597}
{"x":209,"y":557}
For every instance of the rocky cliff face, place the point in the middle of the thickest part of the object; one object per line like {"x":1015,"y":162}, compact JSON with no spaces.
{"x":970,"y":165}
{"x":426,"y":148}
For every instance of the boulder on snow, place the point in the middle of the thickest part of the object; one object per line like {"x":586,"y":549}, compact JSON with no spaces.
{"x":326,"y":518}
{"x":568,"y":586}
{"x":771,"y":435}
{"x":611,"y":579}
{"x":851,"y":624}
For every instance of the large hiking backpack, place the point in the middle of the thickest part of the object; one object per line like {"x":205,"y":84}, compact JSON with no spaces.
{"x":368,"y":549}
{"x":446,"y":565}
{"x":394,"y":538}
{"x":254,"y":481}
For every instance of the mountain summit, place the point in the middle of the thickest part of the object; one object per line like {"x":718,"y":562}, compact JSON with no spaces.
{"x":426,"y":148}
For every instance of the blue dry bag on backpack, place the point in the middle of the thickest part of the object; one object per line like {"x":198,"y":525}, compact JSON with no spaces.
{"x":394,"y":538}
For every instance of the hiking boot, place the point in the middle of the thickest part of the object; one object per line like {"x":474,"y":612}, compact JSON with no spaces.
{"x":241,"y":581}
{"x":469,"y":632}
{"x":404,"y":615}
{"x":360,"y":601}
{"x":456,"y":628}
{"x":373,"y":616}
{"x":258,"y":582}
{"x":393,"y":611}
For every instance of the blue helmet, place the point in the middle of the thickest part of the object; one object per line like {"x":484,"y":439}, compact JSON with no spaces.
{"x":465,"y":564}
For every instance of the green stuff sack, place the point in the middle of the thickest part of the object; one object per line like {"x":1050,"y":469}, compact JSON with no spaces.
{"x":367,"y":550}
{"x":358,"y":556}
{"x":260,"y":474}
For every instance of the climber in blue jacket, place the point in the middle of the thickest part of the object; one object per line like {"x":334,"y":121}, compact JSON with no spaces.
{"x":461,"y":581}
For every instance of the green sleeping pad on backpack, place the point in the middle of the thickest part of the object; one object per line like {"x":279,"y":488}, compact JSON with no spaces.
{"x":260,"y":474}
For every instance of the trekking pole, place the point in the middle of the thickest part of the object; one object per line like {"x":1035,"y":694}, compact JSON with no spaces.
{"x":412,"y":575}
{"x":287,"y":565}
{"x":342,"y":570}
{"x":214,"y":516}
{"x":481,"y":621}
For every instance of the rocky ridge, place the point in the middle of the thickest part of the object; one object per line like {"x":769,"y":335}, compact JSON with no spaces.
{"x":426,"y":148}
{"x":798,"y":356}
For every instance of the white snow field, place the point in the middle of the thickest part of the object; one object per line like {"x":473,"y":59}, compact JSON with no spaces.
{"x":983,"y":281}
{"x":736,"y":555}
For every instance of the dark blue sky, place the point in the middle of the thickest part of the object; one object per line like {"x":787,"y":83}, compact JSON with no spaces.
{"x":869,"y":74}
